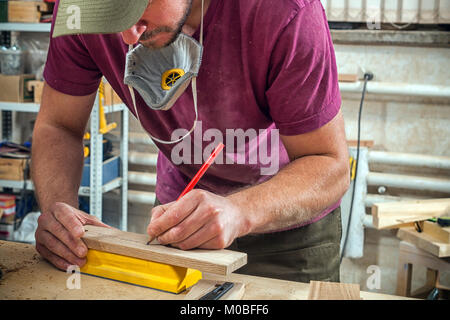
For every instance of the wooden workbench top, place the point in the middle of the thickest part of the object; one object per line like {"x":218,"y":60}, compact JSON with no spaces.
{"x":27,"y":276}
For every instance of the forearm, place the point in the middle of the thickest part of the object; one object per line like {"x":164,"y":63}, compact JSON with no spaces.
{"x":297,"y":194}
{"x":57,"y":163}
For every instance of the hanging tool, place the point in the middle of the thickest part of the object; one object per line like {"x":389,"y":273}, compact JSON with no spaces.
{"x":104,"y":127}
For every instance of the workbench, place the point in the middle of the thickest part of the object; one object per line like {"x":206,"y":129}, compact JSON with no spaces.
{"x":26,"y":275}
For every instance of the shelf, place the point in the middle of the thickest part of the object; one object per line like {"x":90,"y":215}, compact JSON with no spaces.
{"x":27,"y":27}
{"x":84,"y":191}
{"x":33,"y":107}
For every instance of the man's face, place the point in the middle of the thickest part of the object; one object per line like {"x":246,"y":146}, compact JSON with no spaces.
{"x":160,"y":24}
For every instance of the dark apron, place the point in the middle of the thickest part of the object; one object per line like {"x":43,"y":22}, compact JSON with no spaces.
{"x":302,"y":254}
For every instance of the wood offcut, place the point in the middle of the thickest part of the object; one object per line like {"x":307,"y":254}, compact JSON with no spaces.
{"x":222,"y":262}
{"x":389,"y":215}
{"x":319,"y":290}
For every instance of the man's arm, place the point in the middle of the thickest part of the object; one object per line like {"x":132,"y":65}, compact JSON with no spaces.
{"x":316,"y":178}
{"x":57,"y":163}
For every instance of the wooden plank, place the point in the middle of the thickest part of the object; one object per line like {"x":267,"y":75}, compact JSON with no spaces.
{"x":436,"y":231}
{"x":205,"y":286}
{"x":388,"y":215}
{"x":362,"y":143}
{"x":343,"y":77}
{"x":27,"y":276}
{"x":28,"y":11}
{"x":221,"y":262}
{"x":424,"y":241}
{"x":320,"y":290}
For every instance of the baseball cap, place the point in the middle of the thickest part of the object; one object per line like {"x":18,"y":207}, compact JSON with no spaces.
{"x":97,"y":16}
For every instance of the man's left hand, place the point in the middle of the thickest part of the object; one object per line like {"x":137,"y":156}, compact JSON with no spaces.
{"x":199,"y":219}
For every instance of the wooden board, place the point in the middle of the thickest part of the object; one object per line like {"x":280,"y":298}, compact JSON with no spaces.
{"x":348,"y":77}
{"x":436,"y":231}
{"x":26,"y":276}
{"x":424,"y":241}
{"x":130,"y":244}
{"x":28,"y":11}
{"x":388,"y":215}
{"x":205,"y":286}
{"x":320,"y":290}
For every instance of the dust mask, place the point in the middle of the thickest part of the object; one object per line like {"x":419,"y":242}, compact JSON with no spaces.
{"x":162,"y":75}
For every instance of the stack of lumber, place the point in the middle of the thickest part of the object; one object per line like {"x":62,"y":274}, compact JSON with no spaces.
{"x":410,"y":218}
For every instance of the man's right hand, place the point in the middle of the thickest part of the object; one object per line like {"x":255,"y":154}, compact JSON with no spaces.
{"x":59,"y":232}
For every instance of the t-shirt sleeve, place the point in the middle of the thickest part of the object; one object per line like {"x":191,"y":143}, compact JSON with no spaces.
{"x":70,"y":68}
{"x":303,"y":90}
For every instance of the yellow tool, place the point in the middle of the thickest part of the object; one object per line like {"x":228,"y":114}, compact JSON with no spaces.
{"x":352,"y":168}
{"x":140,"y":272}
{"x":104,"y":127}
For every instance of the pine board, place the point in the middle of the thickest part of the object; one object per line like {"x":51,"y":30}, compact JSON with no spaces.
{"x":222,"y":262}
{"x":319,"y":290}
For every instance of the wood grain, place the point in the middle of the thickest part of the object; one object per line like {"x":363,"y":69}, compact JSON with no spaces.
{"x":424,"y":241}
{"x":436,"y":231}
{"x":319,"y":290}
{"x":205,"y":286}
{"x":389,"y":215}
{"x":130,"y":244}
{"x":343,"y":77}
{"x":27,"y":276}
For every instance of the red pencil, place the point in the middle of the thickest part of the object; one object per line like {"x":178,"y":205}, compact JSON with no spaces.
{"x":200,"y":173}
{"x":202,"y":170}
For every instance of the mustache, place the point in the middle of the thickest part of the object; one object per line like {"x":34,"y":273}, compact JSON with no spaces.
{"x":150,"y":34}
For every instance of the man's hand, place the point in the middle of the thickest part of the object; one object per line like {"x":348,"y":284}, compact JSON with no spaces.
{"x":200,"y":219}
{"x":59,"y":232}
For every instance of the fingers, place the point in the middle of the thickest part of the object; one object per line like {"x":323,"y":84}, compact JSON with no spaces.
{"x":59,"y":232}
{"x":210,"y":236}
{"x":169,"y":216}
{"x":56,"y":252}
{"x":202,"y":215}
{"x":73,"y":243}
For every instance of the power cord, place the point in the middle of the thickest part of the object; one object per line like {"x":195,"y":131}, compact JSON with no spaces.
{"x":368,"y":76}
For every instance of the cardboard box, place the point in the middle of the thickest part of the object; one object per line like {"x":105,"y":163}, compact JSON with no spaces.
{"x":110,"y":170}
{"x":12,"y":169}
{"x":28,"y":11}
{"x":14,"y":88}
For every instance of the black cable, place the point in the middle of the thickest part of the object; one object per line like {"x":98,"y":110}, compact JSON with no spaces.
{"x":367,"y":77}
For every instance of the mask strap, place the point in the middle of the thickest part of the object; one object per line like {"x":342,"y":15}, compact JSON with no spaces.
{"x":194,"y":95}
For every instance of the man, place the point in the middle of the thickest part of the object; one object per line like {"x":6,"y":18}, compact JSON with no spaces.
{"x":266,"y":65}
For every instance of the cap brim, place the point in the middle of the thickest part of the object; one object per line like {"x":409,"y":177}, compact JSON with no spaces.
{"x":97,"y":16}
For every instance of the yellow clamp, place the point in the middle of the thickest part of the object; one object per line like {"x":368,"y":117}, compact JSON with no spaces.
{"x":352,"y":168}
{"x":104,"y":127}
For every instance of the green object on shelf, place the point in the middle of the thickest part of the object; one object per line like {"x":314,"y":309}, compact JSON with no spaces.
{"x":3,"y":10}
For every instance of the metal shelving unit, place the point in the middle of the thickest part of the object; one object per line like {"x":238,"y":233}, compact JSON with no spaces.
{"x":96,"y":189}
{"x":25,"y":27}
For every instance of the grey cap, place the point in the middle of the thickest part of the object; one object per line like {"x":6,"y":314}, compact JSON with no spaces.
{"x":97,"y":16}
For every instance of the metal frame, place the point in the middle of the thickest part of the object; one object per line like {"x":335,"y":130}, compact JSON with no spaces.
{"x":97,"y":188}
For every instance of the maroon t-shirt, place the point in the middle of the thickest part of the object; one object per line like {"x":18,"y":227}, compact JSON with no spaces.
{"x":268,"y":67}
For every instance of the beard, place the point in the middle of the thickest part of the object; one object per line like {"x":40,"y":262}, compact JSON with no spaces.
{"x":146,"y":37}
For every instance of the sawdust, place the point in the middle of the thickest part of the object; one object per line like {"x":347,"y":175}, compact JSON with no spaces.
{"x":19,"y":266}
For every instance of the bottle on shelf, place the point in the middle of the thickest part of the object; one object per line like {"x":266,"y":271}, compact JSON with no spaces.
{"x":12,"y":58}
